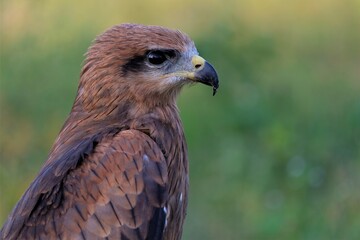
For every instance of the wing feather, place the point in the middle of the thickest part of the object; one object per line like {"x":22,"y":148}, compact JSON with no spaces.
{"x":117,"y":191}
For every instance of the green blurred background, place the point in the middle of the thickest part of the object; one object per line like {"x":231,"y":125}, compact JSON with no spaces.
{"x":274,"y":155}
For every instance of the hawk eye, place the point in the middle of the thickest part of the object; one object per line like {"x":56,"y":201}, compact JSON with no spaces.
{"x":158,"y":57}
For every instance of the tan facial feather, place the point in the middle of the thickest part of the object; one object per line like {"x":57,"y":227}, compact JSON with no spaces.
{"x":101,"y":77}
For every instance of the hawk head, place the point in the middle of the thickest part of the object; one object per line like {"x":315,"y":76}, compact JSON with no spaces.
{"x":146,"y":65}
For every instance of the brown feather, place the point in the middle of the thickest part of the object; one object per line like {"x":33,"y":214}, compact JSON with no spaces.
{"x":119,"y":164}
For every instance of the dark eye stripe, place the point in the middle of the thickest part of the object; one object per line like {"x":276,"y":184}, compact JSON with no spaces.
{"x":134,"y":64}
{"x":137,"y":63}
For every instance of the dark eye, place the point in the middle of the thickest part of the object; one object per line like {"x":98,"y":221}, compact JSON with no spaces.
{"x":156,"y":57}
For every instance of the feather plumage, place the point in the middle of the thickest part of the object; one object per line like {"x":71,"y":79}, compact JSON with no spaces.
{"x":119,"y":167}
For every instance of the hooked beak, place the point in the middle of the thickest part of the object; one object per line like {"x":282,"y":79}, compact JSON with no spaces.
{"x":204,"y":73}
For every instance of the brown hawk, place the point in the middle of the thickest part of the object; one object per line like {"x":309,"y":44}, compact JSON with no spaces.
{"x":119,"y":167}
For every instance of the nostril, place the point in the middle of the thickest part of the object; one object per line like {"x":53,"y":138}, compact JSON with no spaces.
{"x":198,"y":66}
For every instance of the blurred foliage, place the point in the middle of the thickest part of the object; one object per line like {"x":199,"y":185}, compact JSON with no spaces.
{"x":274,"y":155}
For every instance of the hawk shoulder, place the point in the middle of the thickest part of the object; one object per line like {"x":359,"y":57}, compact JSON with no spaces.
{"x":119,"y":190}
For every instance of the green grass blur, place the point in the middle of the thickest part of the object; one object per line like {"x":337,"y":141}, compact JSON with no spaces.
{"x":274,"y":155}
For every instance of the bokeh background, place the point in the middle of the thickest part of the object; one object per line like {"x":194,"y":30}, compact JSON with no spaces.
{"x":274,"y":155}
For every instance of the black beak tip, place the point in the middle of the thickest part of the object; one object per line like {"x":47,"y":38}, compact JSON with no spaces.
{"x":214,"y":91}
{"x":215,"y":85}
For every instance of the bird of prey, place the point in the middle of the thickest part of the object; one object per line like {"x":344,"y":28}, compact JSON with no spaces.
{"x":119,"y":167}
